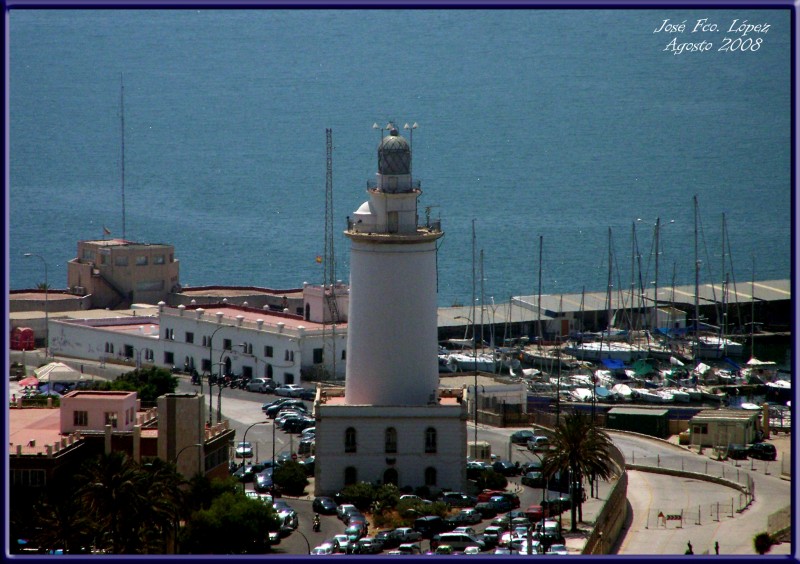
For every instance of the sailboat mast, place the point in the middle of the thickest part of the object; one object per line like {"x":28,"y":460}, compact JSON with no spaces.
{"x":696,"y":284}
{"x":752,"y":307}
{"x":539,"y":298}
{"x":122,"y":146}
{"x":608,"y":297}
{"x":655,"y":284}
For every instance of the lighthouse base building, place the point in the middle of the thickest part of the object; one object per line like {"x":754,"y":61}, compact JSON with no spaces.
{"x":392,"y":424}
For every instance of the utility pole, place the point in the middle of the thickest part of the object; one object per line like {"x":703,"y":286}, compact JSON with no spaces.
{"x":329,"y":263}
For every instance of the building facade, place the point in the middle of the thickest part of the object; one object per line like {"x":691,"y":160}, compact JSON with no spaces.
{"x":391,"y":425}
{"x":118,"y":273}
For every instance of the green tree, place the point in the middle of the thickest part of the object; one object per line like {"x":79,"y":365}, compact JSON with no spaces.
{"x":59,"y":524}
{"x":290,"y":477}
{"x":233,"y":524}
{"x":359,"y":494}
{"x":149,"y":383}
{"x":129,"y":508}
{"x":762,"y":543}
{"x":580,"y":448}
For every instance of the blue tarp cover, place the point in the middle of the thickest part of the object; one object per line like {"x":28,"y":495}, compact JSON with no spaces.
{"x":613,"y":363}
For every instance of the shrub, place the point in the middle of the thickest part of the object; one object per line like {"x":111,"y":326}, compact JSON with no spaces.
{"x":360,"y":495}
{"x":290,"y":477}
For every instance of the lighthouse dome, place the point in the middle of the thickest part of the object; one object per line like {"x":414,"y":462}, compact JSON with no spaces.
{"x":394,"y":154}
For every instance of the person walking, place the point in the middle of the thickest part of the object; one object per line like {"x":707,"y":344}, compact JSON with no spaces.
{"x":716,"y":547}
{"x":689,"y":548}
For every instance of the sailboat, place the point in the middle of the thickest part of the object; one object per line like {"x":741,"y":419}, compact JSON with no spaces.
{"x":711,"y":346}
{"x":606,"y":348}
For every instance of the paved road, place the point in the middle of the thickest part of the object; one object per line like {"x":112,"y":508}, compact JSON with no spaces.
{"x":710,"y":510}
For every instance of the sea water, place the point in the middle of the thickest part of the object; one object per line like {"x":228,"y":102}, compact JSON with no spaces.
{"x":531,"y":123}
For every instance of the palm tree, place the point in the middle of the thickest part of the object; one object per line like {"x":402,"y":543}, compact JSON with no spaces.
{"x":133,"y":508}
{"x":580,"y":448}
{"x":59,"y":525}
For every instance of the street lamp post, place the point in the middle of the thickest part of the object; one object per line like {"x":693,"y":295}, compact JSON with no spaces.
{"x":219,"y":389}
{"x":475,"y":388}
{"x":46,"y":316}
{"x":199,"y":457}
{"x":210,"y":372}
{"x":544,"y":489}
{"x":244,"y":440}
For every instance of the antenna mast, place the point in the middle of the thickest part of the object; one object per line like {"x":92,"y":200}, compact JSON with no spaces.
{"x":329,"y":282}
{"x":122,"y":136}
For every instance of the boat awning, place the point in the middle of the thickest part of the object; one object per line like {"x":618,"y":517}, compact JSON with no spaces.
{"x":613,"y":363}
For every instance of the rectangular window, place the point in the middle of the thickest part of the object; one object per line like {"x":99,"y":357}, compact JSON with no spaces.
{"x":120,"y":260}
{"x":103,"y":259}
{"x":80,"y":418}
{"x":268,"y":352}
{"x":189,"y":337}
{"x":169,"y":358}
{"x":226,"y":344}
{"x":317,"y":356}
{"x":158,"y":259}
{"x":344,"y":354}
{"x":88,"y":254}
{"x":205,"y":365}
{"x":701,"y":429}
{"x":111,"y":418}
{"x":141,"y":260}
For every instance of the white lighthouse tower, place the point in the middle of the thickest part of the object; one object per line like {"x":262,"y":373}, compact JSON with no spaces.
{"x":392,"y":331}
{"x":392,"y":425}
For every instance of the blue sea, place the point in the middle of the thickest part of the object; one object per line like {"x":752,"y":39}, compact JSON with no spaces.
{"x":559,"y":124}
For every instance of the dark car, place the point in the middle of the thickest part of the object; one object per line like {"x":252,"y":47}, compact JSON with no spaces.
{"x":737,"y":452}
{"x":324,"y":505}
{"x":309,"y":395}
{"x":389,"y":539}
{"x":273,"y":410}
{"x":505,"y":467}
{"x":429,"y":526}
{"x":763,"y":451}
{"x":533,"y":479}
{"x":247,"y":473}
{"x":308,"y":465}
{"x":298,"y":424}
{"x":486,"y":509}
{"x":263,"y":481}
{"x":522,"y":437}
{"x":458,"y":499}
{"x":556,"y":502}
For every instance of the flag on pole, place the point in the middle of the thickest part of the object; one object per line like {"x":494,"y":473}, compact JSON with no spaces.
{"x":319,"y":259}
{"x":106,"y":230}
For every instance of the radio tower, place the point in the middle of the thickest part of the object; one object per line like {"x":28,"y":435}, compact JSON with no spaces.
{"x":329,"y":263}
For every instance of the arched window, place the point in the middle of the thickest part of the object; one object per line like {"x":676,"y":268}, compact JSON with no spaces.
{"x":350,"y":440}
{"x":430,"y":476}
{"x":350,"y":475}
{"x":390,"y":476}
{"x":390,"y":440}
{"x":430,"y":440}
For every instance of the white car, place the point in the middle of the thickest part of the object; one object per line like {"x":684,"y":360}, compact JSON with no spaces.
{"x":289,"y":390}
{"x":325,"y":548}
{"x":472,"y":550}
{"x":261,"y":385}
{"x":558,"y":549}
{"x":244,"y":450}
{"x":466,"y":530}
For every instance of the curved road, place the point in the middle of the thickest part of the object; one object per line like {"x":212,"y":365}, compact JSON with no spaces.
{"x":707,"y":506}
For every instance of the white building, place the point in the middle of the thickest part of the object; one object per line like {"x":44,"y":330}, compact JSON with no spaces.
{"x":392,"y":425}
{"x":217,"y":338}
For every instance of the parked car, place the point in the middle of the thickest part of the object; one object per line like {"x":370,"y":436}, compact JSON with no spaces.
{"x":297,"y":424}
{"x":306,"y":446}
{"x":557,"y":502}
{"x":308,"y":465}
{"x":513,"y":499}
{"x":505,"y":467}
{"x":763,"y":451}
{"x":369,"y":545}
{"x":289,"y":403}
{"x":737,"y":452}
{"x":324,"y":505}
{"x":410,"y":548}
{"x":538,"y":443}
{"x":261,"y":385}
{"x":486,"y":509}
{"x":388,"y":538}
{"x":492,"y":534}
{"x":263,"y":482}
{"x":341,"y":542}
{"x":429,"y":525}
{"x":533,"y":479}
{"x":458,"y":499}
{"x":344,"y":509}
{"x":244,"y":450}
{"x":247,"y":473}
{"x":289,"y":390}
{"x":309,"y":395}
{"x":324,"y":548}
{"x":536,"y":513}
{"x":558,"y":549}
{"x":458,"y":541}
{"x":407,"y":534}
{"x":477,"y":467}
{"x":522,"y":437}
